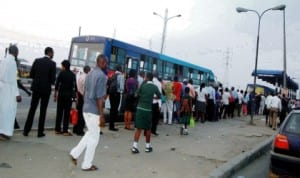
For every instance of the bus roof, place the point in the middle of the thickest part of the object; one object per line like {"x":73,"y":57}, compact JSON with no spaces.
{"x":102,"y":39}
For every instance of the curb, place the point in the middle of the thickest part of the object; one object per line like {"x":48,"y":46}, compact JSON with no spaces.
{"x":240,"y":161}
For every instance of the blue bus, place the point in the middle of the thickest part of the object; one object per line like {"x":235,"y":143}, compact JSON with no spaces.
{"x":85,"y":49}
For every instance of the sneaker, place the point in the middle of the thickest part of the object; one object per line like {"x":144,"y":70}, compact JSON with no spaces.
{"x":185,"y":132}
{"x":134,"y":150}
{"x":148,"y":150}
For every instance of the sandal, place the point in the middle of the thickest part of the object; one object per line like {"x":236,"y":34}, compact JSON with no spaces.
{"x":58,"y":132}
{"x":92,"y":168}
{"x":73,"y":160}
{"x":67,"y":134}
{"x":129,"y":128}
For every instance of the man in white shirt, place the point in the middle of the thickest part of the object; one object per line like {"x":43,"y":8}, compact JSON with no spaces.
{"x":211,"y":101}
{"x":78,"y":128}
{"x":156,"y":105}
{"x":275,"y":108}
{"x":267,"y":106}
{"x":225,"y":101}
{"x":240,"y":102}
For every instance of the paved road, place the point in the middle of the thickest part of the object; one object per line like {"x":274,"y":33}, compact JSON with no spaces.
{"x":258,"y":168}
{"x":23,"y":109}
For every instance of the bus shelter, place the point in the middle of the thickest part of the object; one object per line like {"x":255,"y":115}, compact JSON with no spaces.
{"x":275,"y":77}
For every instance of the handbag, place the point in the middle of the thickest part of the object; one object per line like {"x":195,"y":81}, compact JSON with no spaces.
{"x":74,"y":116}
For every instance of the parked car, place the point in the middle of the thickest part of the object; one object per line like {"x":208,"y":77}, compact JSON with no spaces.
{"x":285,"y":153}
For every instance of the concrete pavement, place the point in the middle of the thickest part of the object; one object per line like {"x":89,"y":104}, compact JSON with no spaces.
{"x":203,"y":153}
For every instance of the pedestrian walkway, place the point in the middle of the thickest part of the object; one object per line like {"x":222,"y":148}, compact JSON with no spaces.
{"x":207,"y":147}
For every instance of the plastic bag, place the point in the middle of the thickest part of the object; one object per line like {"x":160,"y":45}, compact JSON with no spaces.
{"x":74,"y":116}
{"x":192,"y":122}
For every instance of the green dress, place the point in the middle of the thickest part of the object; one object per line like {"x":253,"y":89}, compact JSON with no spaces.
{"x":144,"y":108}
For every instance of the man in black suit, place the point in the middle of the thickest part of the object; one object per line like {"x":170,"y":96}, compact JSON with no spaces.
{"x":43,"y":73}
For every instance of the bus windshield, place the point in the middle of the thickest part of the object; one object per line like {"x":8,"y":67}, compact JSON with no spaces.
{"x":85,"y":53}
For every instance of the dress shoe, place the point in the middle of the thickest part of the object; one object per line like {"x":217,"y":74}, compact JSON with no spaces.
{"x":41,"y":135}
{"x":25,"y":134}
{"x":80,"y":134}
{"x":114,"y":129}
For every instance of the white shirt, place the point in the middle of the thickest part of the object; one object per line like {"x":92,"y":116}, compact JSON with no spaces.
{"x":275,"y":103}
{"x":225,"y":98}
{"x":158,"y":84}
{"x":140,"y":80}
{"x":80,"y":83}
{"x":267,"y":101}
{"x":240,"y":97}
{"x":121,"y":81}
{"x":212,"y":93}
{"x":201,"y":94}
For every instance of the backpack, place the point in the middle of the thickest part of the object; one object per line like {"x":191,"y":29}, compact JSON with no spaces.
{"x":185,"y":104}
{"x":113,"y":84}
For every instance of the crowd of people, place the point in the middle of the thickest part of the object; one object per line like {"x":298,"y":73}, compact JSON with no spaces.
{"x":139,"y":96}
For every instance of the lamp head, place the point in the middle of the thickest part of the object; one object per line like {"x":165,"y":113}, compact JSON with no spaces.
{"x":241,"y":9}
{"x":280,"y":7}
{"x":154,"y":13}
{"x":179,"y":15}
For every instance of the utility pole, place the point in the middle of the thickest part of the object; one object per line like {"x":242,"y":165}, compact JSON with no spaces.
{"x":226,"y":75}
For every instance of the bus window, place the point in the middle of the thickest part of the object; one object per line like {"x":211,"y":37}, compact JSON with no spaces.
{"x":154,"y":67}
{"x":141,"y":65}
{"x":132,"y":63}
{"x":168,"y":70}
{"x":159,"y":66}
{"x":117,"y":57}
{"x":148,"y":64}
{"x":185,"y":73}
{"x":85,"y":53}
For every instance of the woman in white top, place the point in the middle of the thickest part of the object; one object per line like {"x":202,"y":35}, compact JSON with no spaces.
{"x":201,"y":103}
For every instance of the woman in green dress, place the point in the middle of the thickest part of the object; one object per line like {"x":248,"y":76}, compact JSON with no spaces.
{"x":143,"y":119}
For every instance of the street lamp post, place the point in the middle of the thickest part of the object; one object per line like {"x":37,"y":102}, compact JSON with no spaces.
{"x":165,"y":19}
{"x":239,"y":10}
{"x":282,"y":7}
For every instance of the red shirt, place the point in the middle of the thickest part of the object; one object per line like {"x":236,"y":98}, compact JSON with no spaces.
{"x":177,"y":90}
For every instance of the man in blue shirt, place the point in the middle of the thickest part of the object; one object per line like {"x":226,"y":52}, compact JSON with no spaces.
{"x":94,"y":97}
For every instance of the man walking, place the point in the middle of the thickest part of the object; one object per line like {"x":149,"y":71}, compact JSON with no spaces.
{"x":43,"y":73}
{"x":94,"y":97}
{"x":9,"y":93}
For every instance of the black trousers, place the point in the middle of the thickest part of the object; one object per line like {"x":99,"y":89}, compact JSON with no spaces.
{"x":210,"y":110}
{"x":78,"y":129}
{"x":64,"y":104}
{"x":36,"y":97}
{"x":155,"y":117}
{"x":114,"y":99}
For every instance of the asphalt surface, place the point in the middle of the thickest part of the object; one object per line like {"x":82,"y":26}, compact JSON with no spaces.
{"x":207,"y":148}
{"x":257,"y":168}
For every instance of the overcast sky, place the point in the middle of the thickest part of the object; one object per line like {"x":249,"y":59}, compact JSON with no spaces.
{"x":209,"y":32}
